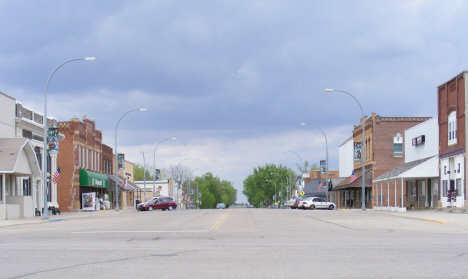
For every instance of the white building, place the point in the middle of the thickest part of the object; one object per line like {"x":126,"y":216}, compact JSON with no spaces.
{"x":22,"y":187}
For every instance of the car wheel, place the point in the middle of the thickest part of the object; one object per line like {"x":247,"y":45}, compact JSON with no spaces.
{"x":163,"y":209}
{"x":150,"y":208}
{"x":170,"y":208}
{"x":312,"y":207}
{"x":331,"y":207}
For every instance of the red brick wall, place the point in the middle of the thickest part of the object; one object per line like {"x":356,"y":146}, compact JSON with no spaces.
{"x":76,"y":134}
{"x":451,"y":97}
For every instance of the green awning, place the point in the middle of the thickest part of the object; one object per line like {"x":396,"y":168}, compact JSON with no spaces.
{"x":93,"y":179}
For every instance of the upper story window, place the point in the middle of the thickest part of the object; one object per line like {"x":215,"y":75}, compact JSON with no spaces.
{"x":398,"y":145}
{"x":452,"y":128}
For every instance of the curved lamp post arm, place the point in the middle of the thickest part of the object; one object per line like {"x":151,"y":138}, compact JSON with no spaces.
{"x":363,"y":207}
{"x":117,"y":163}
{"x":45,"y":214}
{"x":302,"y":164}
{"x":326,"y":145}
{"x":154,"y":164}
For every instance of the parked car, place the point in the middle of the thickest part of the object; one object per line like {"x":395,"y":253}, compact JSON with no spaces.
{"x":297,"y":202}
{"x":291,"y":202}
{"x":162,"y":203}
{"x":220,"y":206}
{"x":316,"y":202}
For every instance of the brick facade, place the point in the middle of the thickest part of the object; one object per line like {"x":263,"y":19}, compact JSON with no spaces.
{"x":81,"y":149}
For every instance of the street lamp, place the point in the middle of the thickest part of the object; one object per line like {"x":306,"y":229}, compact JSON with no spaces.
{"x":154,"y":164}
{"x":297,"y":156}
{"x":189,"y":188}
{"x":45,"y":214}
{"x":274,"y":184}
{"x":178,"y":179}
{"x":117,"y":163}
{"x":326,"y":145}
{"x":282,"y":184}
{"x":301,"y":169}
{"x":363,"y":207}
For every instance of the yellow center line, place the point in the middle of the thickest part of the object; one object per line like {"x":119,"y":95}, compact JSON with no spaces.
{"x":220,"y":221}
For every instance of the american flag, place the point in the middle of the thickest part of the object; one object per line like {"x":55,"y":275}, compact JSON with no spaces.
{"x":56,"y":175}
{"x":124,"y":181}
{"x":320,"y":185}
{"x":352,"y":178}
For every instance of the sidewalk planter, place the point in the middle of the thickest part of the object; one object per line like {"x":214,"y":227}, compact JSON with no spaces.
{"x":401,"y":209}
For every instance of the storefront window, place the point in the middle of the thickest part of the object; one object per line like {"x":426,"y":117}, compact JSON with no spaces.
{"x":459,"y":187}
{"x":422,"y":188}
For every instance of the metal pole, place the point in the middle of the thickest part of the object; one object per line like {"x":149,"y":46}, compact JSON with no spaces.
{"x":117,"y":163}
{"x":363,"y":148}
{"x":282,"y":184}
{"x":326,"y":146}
{"x":45,"y":214}
{"x":154,"y":164}
{"x":274,"y":184}
{"x":144,"y":174}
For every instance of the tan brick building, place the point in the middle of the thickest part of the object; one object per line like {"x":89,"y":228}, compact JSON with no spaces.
{"x":383,"y":152}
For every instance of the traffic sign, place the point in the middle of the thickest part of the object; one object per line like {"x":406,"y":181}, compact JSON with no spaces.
{"x":302,"y":193}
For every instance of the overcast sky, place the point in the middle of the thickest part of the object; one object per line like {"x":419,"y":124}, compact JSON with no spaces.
{"x":231,"y":80}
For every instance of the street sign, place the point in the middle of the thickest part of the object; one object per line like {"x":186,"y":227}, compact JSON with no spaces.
{"x":280,"y":194}
{"x":302,"y":193}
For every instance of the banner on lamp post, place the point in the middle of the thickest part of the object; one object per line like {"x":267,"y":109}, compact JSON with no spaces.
{"x":121,"y":161}
{"x":53,"y":141}
{"x":357,"y":152}
{"x":323,"y":166}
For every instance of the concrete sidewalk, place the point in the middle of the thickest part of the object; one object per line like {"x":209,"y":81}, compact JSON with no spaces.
{"x":57,"y":218}
{"x":443,"y":216}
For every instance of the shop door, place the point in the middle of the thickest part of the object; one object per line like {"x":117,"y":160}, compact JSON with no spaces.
{"x":422,"y":200}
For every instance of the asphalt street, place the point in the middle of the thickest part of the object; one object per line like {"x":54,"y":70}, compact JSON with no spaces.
{"x":237,"y":243}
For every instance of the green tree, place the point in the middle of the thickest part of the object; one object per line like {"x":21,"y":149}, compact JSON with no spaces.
{"x":257,"y":189}
{"x":306,"y":168}
{"x":214,"y":190}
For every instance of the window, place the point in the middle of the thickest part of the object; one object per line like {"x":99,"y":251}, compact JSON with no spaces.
{"x":452,"y":128}
{"x":412,"y":188}
{"x":1,"y":187}
{"x":435,"y":188}
{"x":422,"y":188}
{"x":459,"y":187}
{"x":26,"y":187}
{"x":398,"y":145}
{"x":444,"y":188}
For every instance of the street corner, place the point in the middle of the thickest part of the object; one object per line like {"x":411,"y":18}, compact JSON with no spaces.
{"x":437,"y":221}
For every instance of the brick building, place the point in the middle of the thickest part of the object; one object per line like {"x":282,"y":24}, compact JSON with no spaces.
{"x":383,"y":152}
{"x":81,"y":162}
{"x":451,"y":98}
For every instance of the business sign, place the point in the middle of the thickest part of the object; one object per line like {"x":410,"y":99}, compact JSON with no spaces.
{"x":121,"y":161}
{"x":357,"y":152}
{"x":53,"y":141}
{"x":323,"y":166}
{"x":419,"y":140}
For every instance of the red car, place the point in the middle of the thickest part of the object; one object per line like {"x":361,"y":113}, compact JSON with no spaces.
{"x":162,"y":203}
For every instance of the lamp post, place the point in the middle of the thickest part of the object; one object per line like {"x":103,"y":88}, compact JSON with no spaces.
{"x":45,"y":214}
{"x":297,"y":156}
{"x":274,"y":184}
{"x":282,"y":184}
{"x":326,"y":145}
{"x":154,"y":164}
{"x":178,"y":179}
{"x":363,"y":159}
{"x":117,"y":163}
{"x":144,"y":174}
{"x":188,"y":189}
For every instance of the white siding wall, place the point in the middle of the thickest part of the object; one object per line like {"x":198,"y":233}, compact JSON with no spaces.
{"x":7,"y":116}
{"x":346,"y":163}
{"x":430,"y":129}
